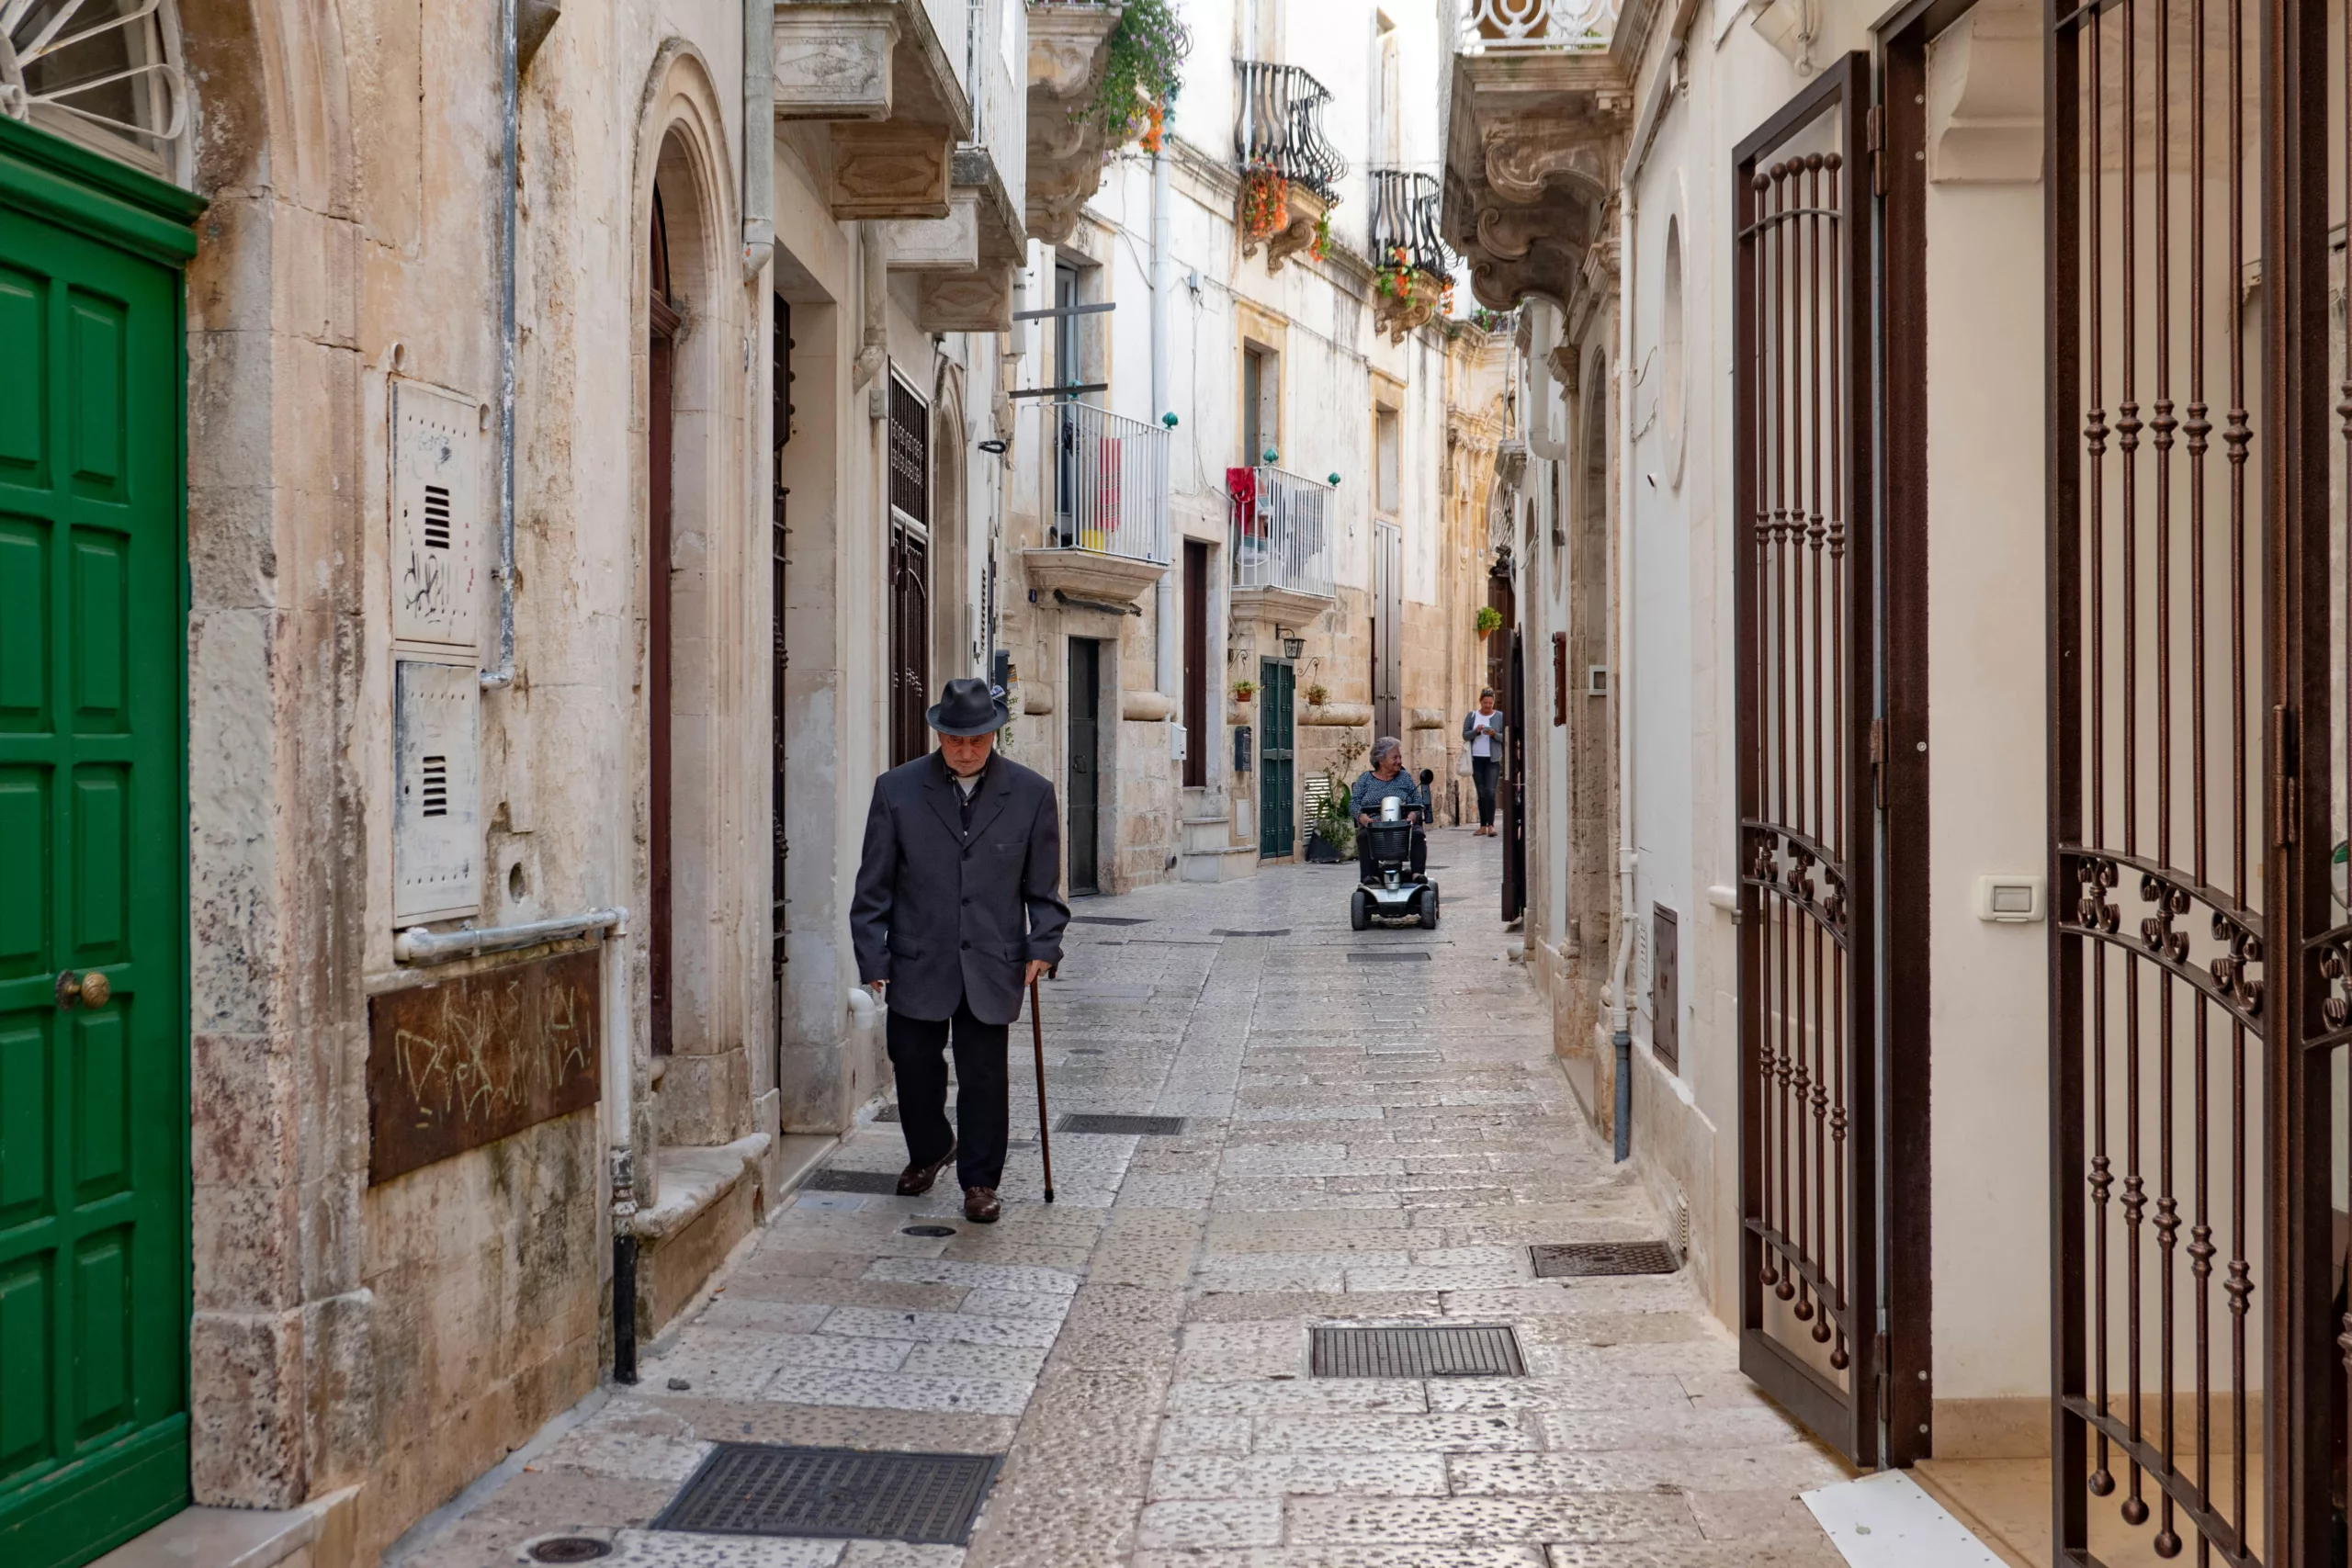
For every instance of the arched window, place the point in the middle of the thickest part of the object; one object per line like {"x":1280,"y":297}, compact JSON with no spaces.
{"x":103,"y":73}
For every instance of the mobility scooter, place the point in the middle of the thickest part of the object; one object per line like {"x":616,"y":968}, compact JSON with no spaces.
{"x":1395,"y":893}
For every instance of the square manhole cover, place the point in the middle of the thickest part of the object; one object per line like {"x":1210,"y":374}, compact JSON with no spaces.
{"x":1145,"y":1126}
{"x":1108,"y":920}
{"x":768,"y":1489}
{"x":1396,"y":957}
{"x":830,"y":1181}
{"x":1579,"y":1260}
{"x":1469,"y":1351}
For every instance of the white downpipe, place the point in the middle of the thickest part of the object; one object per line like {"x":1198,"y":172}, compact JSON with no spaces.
{"x":874,"y":290}
{"x":619,"y":1082}
{"x":1165,"y":661}
{"x":1543,"y":337}
{"x":1620,"y":1009}
{"x":759,"y":149}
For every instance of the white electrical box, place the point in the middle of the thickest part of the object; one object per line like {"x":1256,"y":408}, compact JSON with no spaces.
{"x":437,"y":781}
{"x":1177,"y":742}
{"x":437,"y":489}
{"x":2008,"y":900}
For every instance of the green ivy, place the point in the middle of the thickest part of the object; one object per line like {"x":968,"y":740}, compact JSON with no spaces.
{"x":1145,"y":66}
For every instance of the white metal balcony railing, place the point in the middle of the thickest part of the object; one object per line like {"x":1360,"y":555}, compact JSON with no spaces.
{"x":1535,"y":24}
{"x":1111,"y":483}
{"x":1282,"y":530}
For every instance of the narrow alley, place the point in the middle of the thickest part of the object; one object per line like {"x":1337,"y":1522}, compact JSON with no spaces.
{"x":1374,"y":1132}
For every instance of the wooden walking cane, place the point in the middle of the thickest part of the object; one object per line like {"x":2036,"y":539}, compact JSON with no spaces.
{"x":1045,"y":1135}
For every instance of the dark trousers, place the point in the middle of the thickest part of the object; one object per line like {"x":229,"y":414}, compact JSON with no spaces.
{"x":1484,"y":772}
{"x":918,"y":1057}
{"x":1366,"y":870}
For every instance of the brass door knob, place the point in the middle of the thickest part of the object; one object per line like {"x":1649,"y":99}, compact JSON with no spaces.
{"x":91,"y":989}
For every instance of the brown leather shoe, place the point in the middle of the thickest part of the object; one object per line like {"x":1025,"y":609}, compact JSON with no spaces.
{"x":916,"y":1179}
{"x":980,"y":1206}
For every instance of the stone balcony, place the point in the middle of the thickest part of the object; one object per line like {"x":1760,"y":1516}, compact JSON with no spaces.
{"x":881,"y":75}
{"x":1069,"y":46}
{"x":1538,"y":114}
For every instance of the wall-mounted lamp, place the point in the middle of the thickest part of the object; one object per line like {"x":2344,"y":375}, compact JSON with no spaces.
{"x":1293,"y":648}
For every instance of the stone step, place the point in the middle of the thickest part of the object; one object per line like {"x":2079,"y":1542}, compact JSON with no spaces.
{"x":1223,"y":863}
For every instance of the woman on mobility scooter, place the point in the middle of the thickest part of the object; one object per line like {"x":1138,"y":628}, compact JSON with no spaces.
{"x":1391,"y":856}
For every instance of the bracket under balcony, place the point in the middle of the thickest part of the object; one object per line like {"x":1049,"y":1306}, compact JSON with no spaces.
{"x":876,"y":75}
{"x":1069,"y":49}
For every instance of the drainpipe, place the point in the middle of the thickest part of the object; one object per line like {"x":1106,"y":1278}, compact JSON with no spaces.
{"x":1621,"y":1035}
{"x":874,"y":256}
{"x":759,"y":151}
{"x":509,"y":106}
{"x":1164,"y":656}
{"x":619,"y":1088}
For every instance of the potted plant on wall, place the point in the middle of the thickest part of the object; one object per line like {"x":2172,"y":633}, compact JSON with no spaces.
{"x":1489,"y":618}
{"x":1244,"y":690}
{"x":1317,"y":695}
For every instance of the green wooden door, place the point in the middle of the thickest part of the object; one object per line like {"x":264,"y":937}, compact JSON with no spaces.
{"x":94,"y":1152}
{"x":1277,"y":794}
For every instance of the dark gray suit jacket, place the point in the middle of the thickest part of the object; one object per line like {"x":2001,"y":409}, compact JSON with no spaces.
{"x":942,"y":914}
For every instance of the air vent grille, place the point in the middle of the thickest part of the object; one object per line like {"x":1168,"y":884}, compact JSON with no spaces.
{"x":436,"y":517}
{"x":437,"y":786}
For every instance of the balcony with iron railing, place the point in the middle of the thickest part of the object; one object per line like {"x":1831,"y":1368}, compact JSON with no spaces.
{"x":1290,"y":170}
{"x":1108,"y":541}
{"x":1281,"y":543}
{"x":1415,"y":266}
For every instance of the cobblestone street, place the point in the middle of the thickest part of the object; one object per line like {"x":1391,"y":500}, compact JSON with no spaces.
{"x":1364,"y":1141}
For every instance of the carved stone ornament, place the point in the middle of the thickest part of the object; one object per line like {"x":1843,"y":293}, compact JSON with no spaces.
{"x":1526,"y":154}
{"x":938,"y":244}
{"x":830,"y":66}
{"x":968,"y":302}
{"x":1069,"y":48}
{"x":885,"y":171}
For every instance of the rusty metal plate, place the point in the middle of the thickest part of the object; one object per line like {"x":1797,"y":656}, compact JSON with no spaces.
{"x":1469,"y":1350}
{"x":1579,"y":1260}
{"x":456,"y":1064}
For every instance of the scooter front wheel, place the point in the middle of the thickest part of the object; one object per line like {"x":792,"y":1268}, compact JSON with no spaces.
{"x":1429,"y":908}
{"x":1359,"y":910}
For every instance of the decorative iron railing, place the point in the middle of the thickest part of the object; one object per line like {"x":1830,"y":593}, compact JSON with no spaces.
{"x":1111,"y":483}
{"x":1278,"y":125}
{"x":1282,"y":530}
{"x":1535,"y":24}
{"x":1404,"y":220}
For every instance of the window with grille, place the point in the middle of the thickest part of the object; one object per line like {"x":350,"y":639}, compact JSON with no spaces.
{"x":909,"y":571}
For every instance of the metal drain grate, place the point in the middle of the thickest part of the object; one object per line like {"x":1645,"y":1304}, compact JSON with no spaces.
{"x":568,"y":1549}
{"x":831,"y":1180}
{"x":1108,"y":920}
{"x":1464,"y":1352}
{"x":1278,"y":931}
{"x":1578,"y":1259}
{"x":1399,"y":956}
{"x":1145,"y":1126}
{"x":767,"y":1489}
{"x":888,"y":1113}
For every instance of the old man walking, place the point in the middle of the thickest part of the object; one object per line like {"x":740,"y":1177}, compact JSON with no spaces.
{"x":956,"y":911}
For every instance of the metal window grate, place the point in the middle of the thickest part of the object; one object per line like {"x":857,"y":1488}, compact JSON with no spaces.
{"x":851,"y":1181}
{"x":1146,"y":1126}
{"x":1482,"y":1351}
{"x":767,"y":1489}
{"x":1396,"y":957}
{"x":1578,"y":1259}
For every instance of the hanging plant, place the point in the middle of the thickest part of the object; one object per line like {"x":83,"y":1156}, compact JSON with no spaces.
{"x":1488,"y":619}
{"x":1142,"y":67}
{"x":1322,"y":246}
{"x":1266,"y":202}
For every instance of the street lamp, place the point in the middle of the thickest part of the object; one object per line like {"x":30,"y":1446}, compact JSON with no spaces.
{"x":1293,"y":648}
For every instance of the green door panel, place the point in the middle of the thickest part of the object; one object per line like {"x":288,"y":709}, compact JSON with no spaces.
{"x":1277,"y":830}
{"x":94,"y":1152}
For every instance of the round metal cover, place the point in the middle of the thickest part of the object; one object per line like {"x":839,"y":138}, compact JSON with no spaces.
{"x":928,"y":1230}
{"x":569,"y":1549}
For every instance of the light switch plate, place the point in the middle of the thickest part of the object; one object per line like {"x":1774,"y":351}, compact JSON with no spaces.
{"x":2011,"y":899}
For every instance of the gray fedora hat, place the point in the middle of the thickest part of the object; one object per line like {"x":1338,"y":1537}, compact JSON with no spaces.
{"x":967,"y":706}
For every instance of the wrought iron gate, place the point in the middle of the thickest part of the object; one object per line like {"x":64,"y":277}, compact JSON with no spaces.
{"x":2198,"y":575}
{"x":1803,"y":471}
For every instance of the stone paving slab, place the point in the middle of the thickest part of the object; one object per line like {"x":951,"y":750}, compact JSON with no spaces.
{"x":1371,"y":1145}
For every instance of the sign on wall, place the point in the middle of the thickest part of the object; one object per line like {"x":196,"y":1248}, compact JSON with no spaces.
{"x":456,"y":1064}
